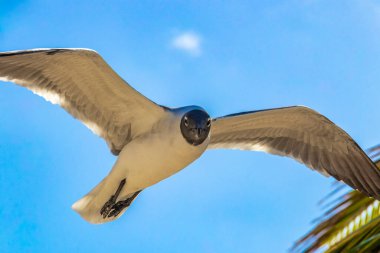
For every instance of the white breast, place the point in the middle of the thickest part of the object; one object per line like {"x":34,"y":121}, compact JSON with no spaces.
{"x":156,"y":156}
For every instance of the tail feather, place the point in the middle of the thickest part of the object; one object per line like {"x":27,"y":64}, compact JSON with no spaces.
{"x":90,"y":205}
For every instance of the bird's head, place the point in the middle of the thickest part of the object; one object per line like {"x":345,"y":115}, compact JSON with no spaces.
{"x":195,"y":126}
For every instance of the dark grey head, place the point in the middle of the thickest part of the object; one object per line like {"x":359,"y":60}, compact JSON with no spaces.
{"x":195,"y":126}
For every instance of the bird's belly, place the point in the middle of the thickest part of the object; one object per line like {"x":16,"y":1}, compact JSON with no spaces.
{"x":150,"y":160}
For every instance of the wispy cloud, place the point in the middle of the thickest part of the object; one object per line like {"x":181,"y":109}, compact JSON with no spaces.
{"x":189,"y":42}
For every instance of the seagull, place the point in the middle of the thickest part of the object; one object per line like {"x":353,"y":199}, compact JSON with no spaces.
{"x":153,"y":142}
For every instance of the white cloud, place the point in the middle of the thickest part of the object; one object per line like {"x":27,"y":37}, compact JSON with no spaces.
{"x":189,"y":42}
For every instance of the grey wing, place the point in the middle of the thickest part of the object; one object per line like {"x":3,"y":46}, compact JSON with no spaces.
{"x":82,"y":83}
{"x":303,"y":134}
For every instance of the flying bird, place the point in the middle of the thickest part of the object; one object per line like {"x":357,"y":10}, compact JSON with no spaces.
{"x":153,"y":142}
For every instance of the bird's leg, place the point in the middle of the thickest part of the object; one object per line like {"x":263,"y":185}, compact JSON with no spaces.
{"x":111,"y":202}
{"x":120,"y":205}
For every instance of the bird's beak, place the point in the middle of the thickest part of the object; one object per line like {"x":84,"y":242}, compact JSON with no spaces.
{"x":198,"y":132}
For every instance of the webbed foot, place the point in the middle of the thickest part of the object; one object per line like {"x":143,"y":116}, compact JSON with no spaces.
{"x":108,"y":206}
{"x":121,"y":205}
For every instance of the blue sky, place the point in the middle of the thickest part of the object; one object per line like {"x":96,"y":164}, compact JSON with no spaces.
{"x":225,"y":56}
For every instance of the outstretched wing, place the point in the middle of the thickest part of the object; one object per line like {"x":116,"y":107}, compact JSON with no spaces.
{"x":82,"y":83}
{"x":303,"y":134}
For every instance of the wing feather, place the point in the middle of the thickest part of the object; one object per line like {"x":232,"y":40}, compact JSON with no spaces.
{"x":81,"y":82}
{"x":304,"y":135}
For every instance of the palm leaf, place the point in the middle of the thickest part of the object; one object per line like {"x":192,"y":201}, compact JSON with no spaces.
{"x":352,"y":224}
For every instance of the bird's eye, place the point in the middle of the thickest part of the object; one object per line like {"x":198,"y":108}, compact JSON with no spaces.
{"x":208,"y":122}
{"x":186,"y":122}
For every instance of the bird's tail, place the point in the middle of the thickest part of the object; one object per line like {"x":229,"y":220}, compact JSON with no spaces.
{"x":91,"y":206}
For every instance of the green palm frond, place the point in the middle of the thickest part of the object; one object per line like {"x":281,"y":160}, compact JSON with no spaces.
{"x":352,"y":224}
